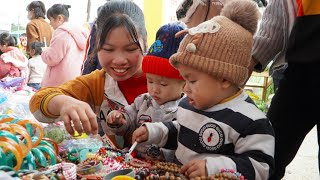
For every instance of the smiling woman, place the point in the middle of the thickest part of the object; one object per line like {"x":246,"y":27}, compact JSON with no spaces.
{"x":78,"y":101}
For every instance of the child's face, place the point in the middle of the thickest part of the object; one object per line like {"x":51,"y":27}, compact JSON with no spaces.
{"x":163,"y":89}
{"x":3,"y":48}
{"x":32,"y":52}
{"x":203,"y":90}
{"x":120,"y":56}
{"x":23,"y":41}
{"x":55,"y":23}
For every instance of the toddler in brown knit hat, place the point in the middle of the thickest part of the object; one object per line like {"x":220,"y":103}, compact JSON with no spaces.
{"x":218,"y":126}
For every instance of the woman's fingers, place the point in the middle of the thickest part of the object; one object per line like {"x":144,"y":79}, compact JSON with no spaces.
{"x":74,"y":116}
{"x":93,"y":121}
{"x":67,"y":123}
{"x":80,"y":117}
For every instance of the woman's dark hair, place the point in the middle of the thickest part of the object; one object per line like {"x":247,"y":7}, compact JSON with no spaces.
{"x":7,"y":39}
{"x":117,"y":13}
{"x":36,"y":45}
{"x":59,"y":9}
{"x":38,"y":8}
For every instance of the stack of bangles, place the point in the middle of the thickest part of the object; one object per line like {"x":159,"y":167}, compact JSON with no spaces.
{"x":19,"y":149}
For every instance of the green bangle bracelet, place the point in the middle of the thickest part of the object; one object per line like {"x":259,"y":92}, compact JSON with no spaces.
{"x":29,"y":162}
{"x":45,"y":143}
{"x":10,"y":157}
{"x":39,"y":156}
{"x":50,"y":152}
{"x":9,"y":135}
{"x":3,"y":159}
{"x":28,"y":126}
{"x":71,"y":155}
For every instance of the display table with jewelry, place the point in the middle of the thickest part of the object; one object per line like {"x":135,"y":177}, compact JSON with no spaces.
{"x":31,"y":150}
{"x":26,"y":152}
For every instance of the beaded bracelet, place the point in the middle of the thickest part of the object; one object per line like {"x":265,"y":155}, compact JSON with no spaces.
{"x":139,"y":163}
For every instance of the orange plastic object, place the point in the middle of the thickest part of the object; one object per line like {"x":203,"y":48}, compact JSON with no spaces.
{"x":4,"y":120}
{"x":22,"y":131}
{"x":37,"y":125}
{"x":5,"y":126}
{"x":10,"y":145}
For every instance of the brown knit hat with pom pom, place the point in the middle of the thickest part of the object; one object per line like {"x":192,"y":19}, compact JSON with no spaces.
{"x":222,"y":45}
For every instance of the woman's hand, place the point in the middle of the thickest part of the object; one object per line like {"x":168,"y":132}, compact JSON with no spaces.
{"x":116,"y":118}
{"x":76,"y":115}
{"x":194,"y":168}
{"x":141,"y":134}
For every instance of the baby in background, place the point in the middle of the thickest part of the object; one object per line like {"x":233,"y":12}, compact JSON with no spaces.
{"x":36,"y":66}
{"x":165,"y":87}
{"x":218,"y":126}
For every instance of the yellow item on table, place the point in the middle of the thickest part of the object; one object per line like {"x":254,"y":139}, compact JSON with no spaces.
{"x":122,"y":177}
{"x":82,"y":136}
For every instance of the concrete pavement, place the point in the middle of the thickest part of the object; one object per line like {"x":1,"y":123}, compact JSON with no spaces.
{"x":305,"y":165}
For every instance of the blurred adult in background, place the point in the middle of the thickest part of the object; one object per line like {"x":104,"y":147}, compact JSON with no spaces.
{"x":194,"y":12}
{"x":288,"y":35}
{"x":91,"y":63}
{"x":64,"y":56}
{"x":38,"y":29}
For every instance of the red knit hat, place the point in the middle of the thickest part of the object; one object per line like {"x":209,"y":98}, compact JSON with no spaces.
{"x":166,"y":44}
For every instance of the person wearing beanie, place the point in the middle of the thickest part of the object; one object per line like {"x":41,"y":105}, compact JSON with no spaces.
{"x":218,"y":126}
{"x":165,"y":91}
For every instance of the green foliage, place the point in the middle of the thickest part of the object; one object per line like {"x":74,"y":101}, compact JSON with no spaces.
{"x":16,"y":27}
{"x":270,"y":90}
{"x":262,"y":105}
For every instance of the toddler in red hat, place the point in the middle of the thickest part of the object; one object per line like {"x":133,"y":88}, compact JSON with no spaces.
{"x":165,"y":86}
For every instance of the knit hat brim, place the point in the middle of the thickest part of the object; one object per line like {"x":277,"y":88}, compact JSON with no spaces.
{"x":219,"y":69}
{"x":159,"y":66}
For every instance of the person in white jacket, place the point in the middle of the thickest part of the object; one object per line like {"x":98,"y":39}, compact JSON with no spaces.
{"x":36,"y":66}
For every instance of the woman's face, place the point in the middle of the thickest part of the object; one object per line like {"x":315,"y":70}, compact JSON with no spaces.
{"x":120,"y":56}
{"x":30,"y":14}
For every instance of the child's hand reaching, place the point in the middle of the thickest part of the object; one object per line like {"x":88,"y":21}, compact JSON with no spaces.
{"x":141,"y":134}
{"x":116,"y":118}
{"x":194,"y":168}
